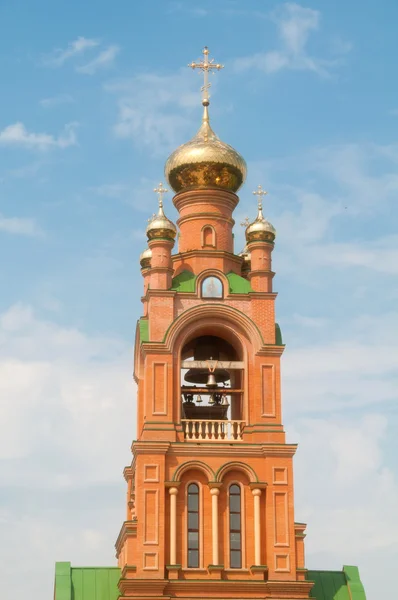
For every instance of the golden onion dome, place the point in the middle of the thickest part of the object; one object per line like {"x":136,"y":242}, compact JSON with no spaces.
{"x":160,"y":227}
{"x":205,"y":161}
{"x":261,"y":229}
{"x":145,"y":258}
{"x":245,"y":255}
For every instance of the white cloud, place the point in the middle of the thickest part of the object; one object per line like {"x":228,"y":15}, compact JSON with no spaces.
{"x":56,"y":100}
{"x":154,"y":109}
{"x":104,"y":60}
{"x":349,"y":367}
{"x":347,"y":493}
{"x":79,"y":46}
{"x":17,"y":135}
{"x":20,"y":226}
{"x":295,"y":24}
{"x":69,"y":384}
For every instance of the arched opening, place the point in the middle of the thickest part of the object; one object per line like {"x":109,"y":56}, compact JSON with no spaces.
{"x":208,"y":237}
{"x":212,"y":389}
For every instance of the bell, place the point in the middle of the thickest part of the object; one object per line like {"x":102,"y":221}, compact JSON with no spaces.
{"x":188,"y":398}
{"x":207,"y":347}
{"x":211,"y":380}
{"x":199,"y":399}
{"x":224,"y":400}
{"x":211,"y":400}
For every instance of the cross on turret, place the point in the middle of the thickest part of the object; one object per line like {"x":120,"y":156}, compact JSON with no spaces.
{"x":260,"y":193}
{"x":206,"y":65}
{"x":160,"y":190}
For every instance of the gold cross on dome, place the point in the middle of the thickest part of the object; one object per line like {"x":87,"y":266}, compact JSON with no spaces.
{"x":260,"y":193}
{"x":245,"y":222}
{"x":206,"y":65}
{"x":160,"y":190}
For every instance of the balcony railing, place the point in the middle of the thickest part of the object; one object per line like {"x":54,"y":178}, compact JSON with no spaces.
{"x":212,"y":431}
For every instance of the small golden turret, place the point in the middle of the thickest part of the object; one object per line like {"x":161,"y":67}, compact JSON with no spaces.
{"x":260,"y":229}
{"x":160,"y":227}
{"x":145,"y":258}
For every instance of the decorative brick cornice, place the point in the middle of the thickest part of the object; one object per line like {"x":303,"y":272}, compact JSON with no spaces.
{"x":271,"y":350}
{"x":128,"y":530}
{"x":150,"y":447}
{"x":297,"y":589}
{"x":128,"y":472}
{"x":204,"y":252}
{"x":257,"y":485}
{"x":160,"y":293}
{"x":142,"y":587}
{"x":230,"y":449}
{"x":203,"y":215}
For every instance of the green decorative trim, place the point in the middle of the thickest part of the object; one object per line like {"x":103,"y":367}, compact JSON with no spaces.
{"x":184,"y":282}
{"x":237,"y":284}
{"x":143,"y":325}
{"x":278,"y":335}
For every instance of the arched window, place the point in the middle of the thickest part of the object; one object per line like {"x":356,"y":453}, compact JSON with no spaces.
{"x":193,"y":525}
{"x":212,"y":287}
{"x":235,"y":527}
{"x":208,"y":237}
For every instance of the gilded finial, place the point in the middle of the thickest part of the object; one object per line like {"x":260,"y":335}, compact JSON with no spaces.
{"x":260,"y":193}
{"x":206,"y":65}
{"x":160,"y":190}
{"x":245,"y":222}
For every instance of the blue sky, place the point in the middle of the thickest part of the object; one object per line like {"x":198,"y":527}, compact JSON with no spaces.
{"x":94,"y":98}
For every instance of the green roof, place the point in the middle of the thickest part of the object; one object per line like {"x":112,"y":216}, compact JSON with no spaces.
{"x":278,"y":335}
{"x":86,"y":583}
{"x":143,"y":325}
{"x":100,"y":583}
{"x":336,"y":585}
{"x":184,"y":282}
{"x":237,"y":284}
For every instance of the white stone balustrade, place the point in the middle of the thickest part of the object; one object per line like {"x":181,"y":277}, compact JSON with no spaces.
{"x":212,"y":430}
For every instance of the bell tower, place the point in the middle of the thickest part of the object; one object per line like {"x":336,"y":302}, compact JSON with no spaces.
{"x":210,"y":506}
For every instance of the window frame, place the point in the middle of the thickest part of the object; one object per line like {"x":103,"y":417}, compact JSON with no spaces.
{"x":213,"y":237}
{"x":220,"y":281}
{"x":200,"y":528}
{"x":242,"y":526}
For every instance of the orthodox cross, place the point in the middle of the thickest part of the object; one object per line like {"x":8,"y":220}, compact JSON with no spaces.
{"x":260,"y":193}
{"x":160,"y":190}
{"x":206,"y":65}
{"x":245,"y":222}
